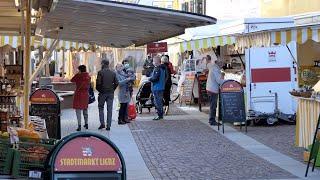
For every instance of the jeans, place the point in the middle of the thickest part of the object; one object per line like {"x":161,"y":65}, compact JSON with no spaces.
{"x":158,"y":102}
{"x":213,"y":107}
{"x":123,"y":112}
{"x":85,"y":115}
{"x":102,"y":99}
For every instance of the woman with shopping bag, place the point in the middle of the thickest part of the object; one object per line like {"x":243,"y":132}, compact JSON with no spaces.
{"x":123,"y":94}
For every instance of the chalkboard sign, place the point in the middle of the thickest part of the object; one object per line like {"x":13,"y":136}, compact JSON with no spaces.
{"x":187,"y":87}
{"x":46,"y":104}
{"x":202,"y":88}
{"x":232,"y":102}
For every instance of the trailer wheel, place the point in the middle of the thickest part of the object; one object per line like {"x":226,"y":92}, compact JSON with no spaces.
{"x":271,"y":120}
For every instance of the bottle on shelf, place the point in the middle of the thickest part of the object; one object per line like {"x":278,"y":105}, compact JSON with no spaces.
{"x":1,"y":82}
{"x":3,"y":86}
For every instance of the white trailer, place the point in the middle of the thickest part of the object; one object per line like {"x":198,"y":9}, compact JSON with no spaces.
{"x":271,"y":72}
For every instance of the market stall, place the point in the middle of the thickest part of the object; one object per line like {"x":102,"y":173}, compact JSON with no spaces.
{"x":294,"y":53}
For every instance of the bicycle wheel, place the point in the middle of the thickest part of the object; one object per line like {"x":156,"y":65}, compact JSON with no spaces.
{"x":174,"y":94}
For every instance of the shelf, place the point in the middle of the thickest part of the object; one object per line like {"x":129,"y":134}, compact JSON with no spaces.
{"x":8,"y":95}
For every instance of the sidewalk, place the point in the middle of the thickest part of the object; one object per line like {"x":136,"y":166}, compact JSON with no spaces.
{"x":120,"y":135}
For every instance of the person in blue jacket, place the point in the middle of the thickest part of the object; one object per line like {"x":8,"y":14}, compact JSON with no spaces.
{"x":158,"y":80}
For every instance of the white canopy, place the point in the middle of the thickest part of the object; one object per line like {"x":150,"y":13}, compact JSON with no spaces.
{"x":115,"y":24}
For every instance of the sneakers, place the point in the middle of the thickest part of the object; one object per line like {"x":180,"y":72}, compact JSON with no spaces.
{"x":213,"y":123}
{"x":79,"y":128}
{"x":108,"y":128}
{"x":157,"y":118}
{"x":101,"y":126}
{"x":127,"y":121}
{"x":86,"y":126}
{"x":121,"y":122}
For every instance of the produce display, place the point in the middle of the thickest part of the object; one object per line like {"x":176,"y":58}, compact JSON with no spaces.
{"x":27,"y":133}
{"x":23,"y":150}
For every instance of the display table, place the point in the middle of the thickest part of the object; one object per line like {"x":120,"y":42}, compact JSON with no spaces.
{"x":64,"y":86}
{"x":307,"y":115}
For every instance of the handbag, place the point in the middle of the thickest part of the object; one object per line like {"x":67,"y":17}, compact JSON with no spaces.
{"x":132,"y":113}
{"x":92,"y":98}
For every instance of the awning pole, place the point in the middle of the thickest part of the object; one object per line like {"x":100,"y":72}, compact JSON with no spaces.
{"x":44,"y":61}
{"x":63,"y":61}
{"x":22,"y":37}
{"x":26,"y":88}
{"x":244,"y":66}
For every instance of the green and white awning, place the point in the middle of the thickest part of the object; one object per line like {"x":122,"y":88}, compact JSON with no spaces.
{"x":206,"y":43}
{"x":15,"y":42}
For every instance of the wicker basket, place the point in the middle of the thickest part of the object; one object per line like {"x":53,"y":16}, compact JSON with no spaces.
{"x":306,"y":94}
{"x":295,"y":93}
{"x":301,"y":94}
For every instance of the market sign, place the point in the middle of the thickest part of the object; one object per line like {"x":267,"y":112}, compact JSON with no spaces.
{"x":157,"y":47}
{"x":230,"y":86}
{"x":83,"y":154}
{"x":232,"y":103}
{"x":44,"y":96}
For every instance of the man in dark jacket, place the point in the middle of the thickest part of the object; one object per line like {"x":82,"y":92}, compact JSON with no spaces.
{"x":158,"y":80}
{"x":106,"y":84}
{"x":148,"y":66}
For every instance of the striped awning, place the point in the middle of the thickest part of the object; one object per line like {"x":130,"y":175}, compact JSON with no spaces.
{"x":15,"y":41}
{"x":299,"y":35}
{"x":278,"y":36}
{"x":206,"y":43}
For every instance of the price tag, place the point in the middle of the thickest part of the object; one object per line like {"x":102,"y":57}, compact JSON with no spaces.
{"x":35,"y":174}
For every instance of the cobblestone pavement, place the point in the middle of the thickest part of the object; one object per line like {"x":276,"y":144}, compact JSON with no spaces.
{"x":173,"y":110}
{"x":188,"y":149}
{"x":280,"y":138}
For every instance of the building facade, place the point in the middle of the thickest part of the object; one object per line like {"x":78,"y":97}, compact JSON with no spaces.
{"x":277,"y":8}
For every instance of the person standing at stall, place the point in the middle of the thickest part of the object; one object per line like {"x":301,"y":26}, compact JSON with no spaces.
{"x":148,"y":66}
{"x":158,"y":79}
{"x":168,"y":84}
{"x":81,"y":95}
{"x":215,"y":79}
{"x":106,"y":84}
{"x":123,"y":94}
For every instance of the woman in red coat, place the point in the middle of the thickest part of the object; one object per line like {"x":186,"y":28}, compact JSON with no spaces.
{"x":81,"y":95}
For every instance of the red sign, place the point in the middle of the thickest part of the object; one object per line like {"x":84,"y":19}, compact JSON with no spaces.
{"x":271,"y":75}
{"x":44,"y":96}
{"x":87,"y":154}
{"x":231,"y":86}
{"x":157,"y":47}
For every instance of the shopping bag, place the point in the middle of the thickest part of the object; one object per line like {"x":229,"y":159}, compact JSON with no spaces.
{"x":92,"y":98}
{"x":132,"y":114}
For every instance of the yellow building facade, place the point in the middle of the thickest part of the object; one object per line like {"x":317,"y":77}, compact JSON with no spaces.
{"x":277,"y":8}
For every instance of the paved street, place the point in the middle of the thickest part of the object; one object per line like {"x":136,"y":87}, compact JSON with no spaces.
{"x":183,"y":146}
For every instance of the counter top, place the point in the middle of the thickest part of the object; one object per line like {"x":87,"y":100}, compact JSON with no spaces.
{"x":62,"y":83}
{"x":310,"y":99}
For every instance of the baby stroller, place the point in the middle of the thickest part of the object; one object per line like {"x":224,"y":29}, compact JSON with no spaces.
{"x":144,"y":98}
